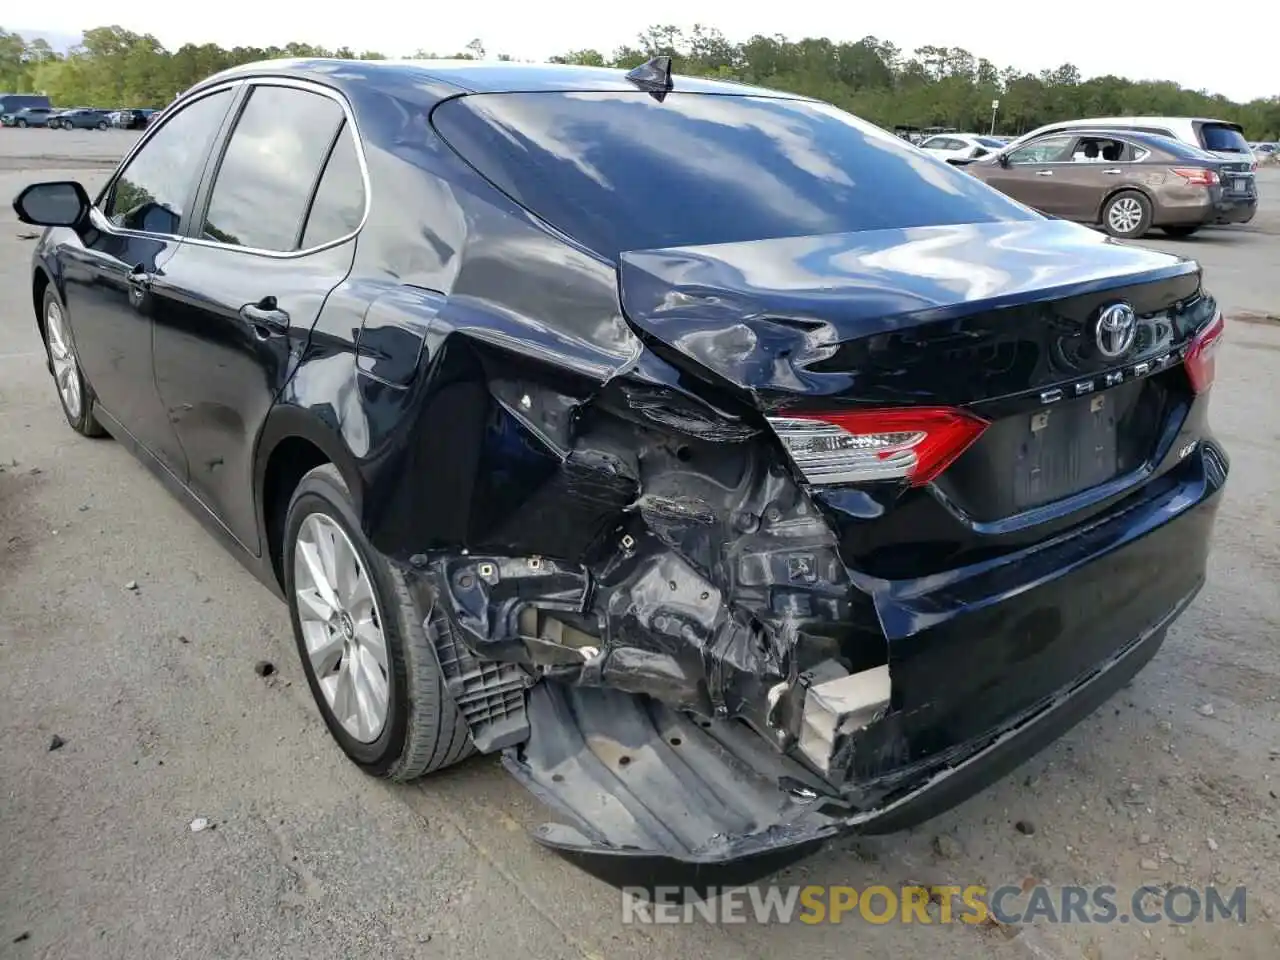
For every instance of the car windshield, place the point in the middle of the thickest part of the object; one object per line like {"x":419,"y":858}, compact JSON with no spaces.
{"x":1223,"y":138}
{"x":626,"y":171}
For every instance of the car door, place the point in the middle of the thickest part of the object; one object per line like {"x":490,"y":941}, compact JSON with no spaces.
{"x":281,"y":211}
{"x":1099,"y":165}
{"x":1028,"y":176}
{"x":135,"y":230}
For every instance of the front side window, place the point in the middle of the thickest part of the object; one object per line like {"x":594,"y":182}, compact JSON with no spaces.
{"x":270,"y":168}
{"x":1044,"y":150}
{"x":152,"y":191}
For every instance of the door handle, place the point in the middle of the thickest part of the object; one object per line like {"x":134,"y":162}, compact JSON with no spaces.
{"x":1114,"y":171}
{"x":1044,"y":173}
{"x":266,"y":317}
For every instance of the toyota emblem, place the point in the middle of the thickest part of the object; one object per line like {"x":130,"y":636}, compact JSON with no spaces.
{"x":1116,"y":328}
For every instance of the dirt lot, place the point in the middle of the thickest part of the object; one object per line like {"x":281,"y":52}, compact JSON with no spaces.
{"x":153,"y":689}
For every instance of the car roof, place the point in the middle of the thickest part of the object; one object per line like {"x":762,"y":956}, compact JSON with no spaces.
{"x":1169,"y":144}
{"x":1121,"y":132}
{"x":1167,"y":121}
{"x":451,"y":77}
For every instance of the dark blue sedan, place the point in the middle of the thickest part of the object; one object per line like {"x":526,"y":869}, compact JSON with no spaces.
{"x":79,"y":118}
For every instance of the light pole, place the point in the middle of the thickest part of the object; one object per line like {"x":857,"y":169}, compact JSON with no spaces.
{"x":995,"y":105}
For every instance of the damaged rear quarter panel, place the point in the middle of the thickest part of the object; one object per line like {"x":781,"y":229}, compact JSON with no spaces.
{"x":591,"y":512}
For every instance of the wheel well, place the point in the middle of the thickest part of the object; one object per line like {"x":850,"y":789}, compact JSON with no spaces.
{"x":291,"y":460}
{"x":39,"y":284}
{"x":1138,"y":190}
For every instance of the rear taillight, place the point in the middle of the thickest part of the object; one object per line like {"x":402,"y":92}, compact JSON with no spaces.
{"x":1200,"y":355}
{"x":1196,"y":176}
{"x":909,"y":443}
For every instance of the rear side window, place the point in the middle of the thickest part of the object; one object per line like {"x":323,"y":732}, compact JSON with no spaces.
{"x":624,"y":171}
{"x":339,"y":203}
{"x":1178,"y":148}
{"x":270,"y":168}
{"x":1223,"y":138}
{"x":152,"y":191}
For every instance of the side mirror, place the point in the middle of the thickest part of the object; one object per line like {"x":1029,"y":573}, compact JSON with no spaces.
{"x":1004,"y":159}
{"x":59,"y":203}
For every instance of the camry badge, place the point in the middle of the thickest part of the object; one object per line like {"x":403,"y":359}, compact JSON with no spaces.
{"x":1116,"y":327}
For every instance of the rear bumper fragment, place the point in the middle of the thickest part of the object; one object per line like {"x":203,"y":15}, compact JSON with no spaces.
{"x":651,"y":798}
{"x":988,"y":668}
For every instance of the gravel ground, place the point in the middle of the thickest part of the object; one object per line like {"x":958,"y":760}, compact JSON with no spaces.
{"x":165,"y":720}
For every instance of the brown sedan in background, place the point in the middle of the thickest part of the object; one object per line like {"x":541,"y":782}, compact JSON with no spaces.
{"x":1126,"y":181}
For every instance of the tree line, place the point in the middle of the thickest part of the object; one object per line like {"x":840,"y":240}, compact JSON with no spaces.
{"x":873,"y":78}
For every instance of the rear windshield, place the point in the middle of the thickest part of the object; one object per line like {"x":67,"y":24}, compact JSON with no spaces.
{"x":623,"y":171}
{"x":1223,"y":138}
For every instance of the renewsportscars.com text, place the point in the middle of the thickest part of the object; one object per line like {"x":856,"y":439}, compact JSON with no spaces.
{"x":941,"y":904}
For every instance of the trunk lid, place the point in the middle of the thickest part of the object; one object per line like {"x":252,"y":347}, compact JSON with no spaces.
{"x":986,"y":309}
{"x":998,"y":319}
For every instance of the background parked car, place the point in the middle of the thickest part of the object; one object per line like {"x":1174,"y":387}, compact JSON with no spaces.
{"x":962,"y":146}
{"x":1222,"y":138}
{"x":131,"y":118}
{"x":1128,"y":182}
{"x":80,"y":118}
{"x":27,"y":117}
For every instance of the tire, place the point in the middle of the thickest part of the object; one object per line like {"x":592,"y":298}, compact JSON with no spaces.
{"x":1127,"y":215}
{"x":421,"y":728}
{"x":21,"y":123}
{"x":1178,"y":232}
{"x":102,"y":124}
{"x":74,"y":393}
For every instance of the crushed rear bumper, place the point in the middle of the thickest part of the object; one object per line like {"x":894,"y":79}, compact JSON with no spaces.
{"x":651,"y":798}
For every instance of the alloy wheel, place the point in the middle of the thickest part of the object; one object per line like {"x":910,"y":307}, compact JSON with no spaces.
{"x":65,"y":370}
{"x":341,"y":627}
{"x":1125,"y":215}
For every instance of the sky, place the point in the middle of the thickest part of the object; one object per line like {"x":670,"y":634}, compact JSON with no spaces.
{"x":1155,"y":40}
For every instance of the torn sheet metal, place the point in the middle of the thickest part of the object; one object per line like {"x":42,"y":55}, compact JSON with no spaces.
{"x":717,"y":586}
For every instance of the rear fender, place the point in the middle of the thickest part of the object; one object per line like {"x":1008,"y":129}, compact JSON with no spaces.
{"x":659,"y":547}
{"x":289,"y":420}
